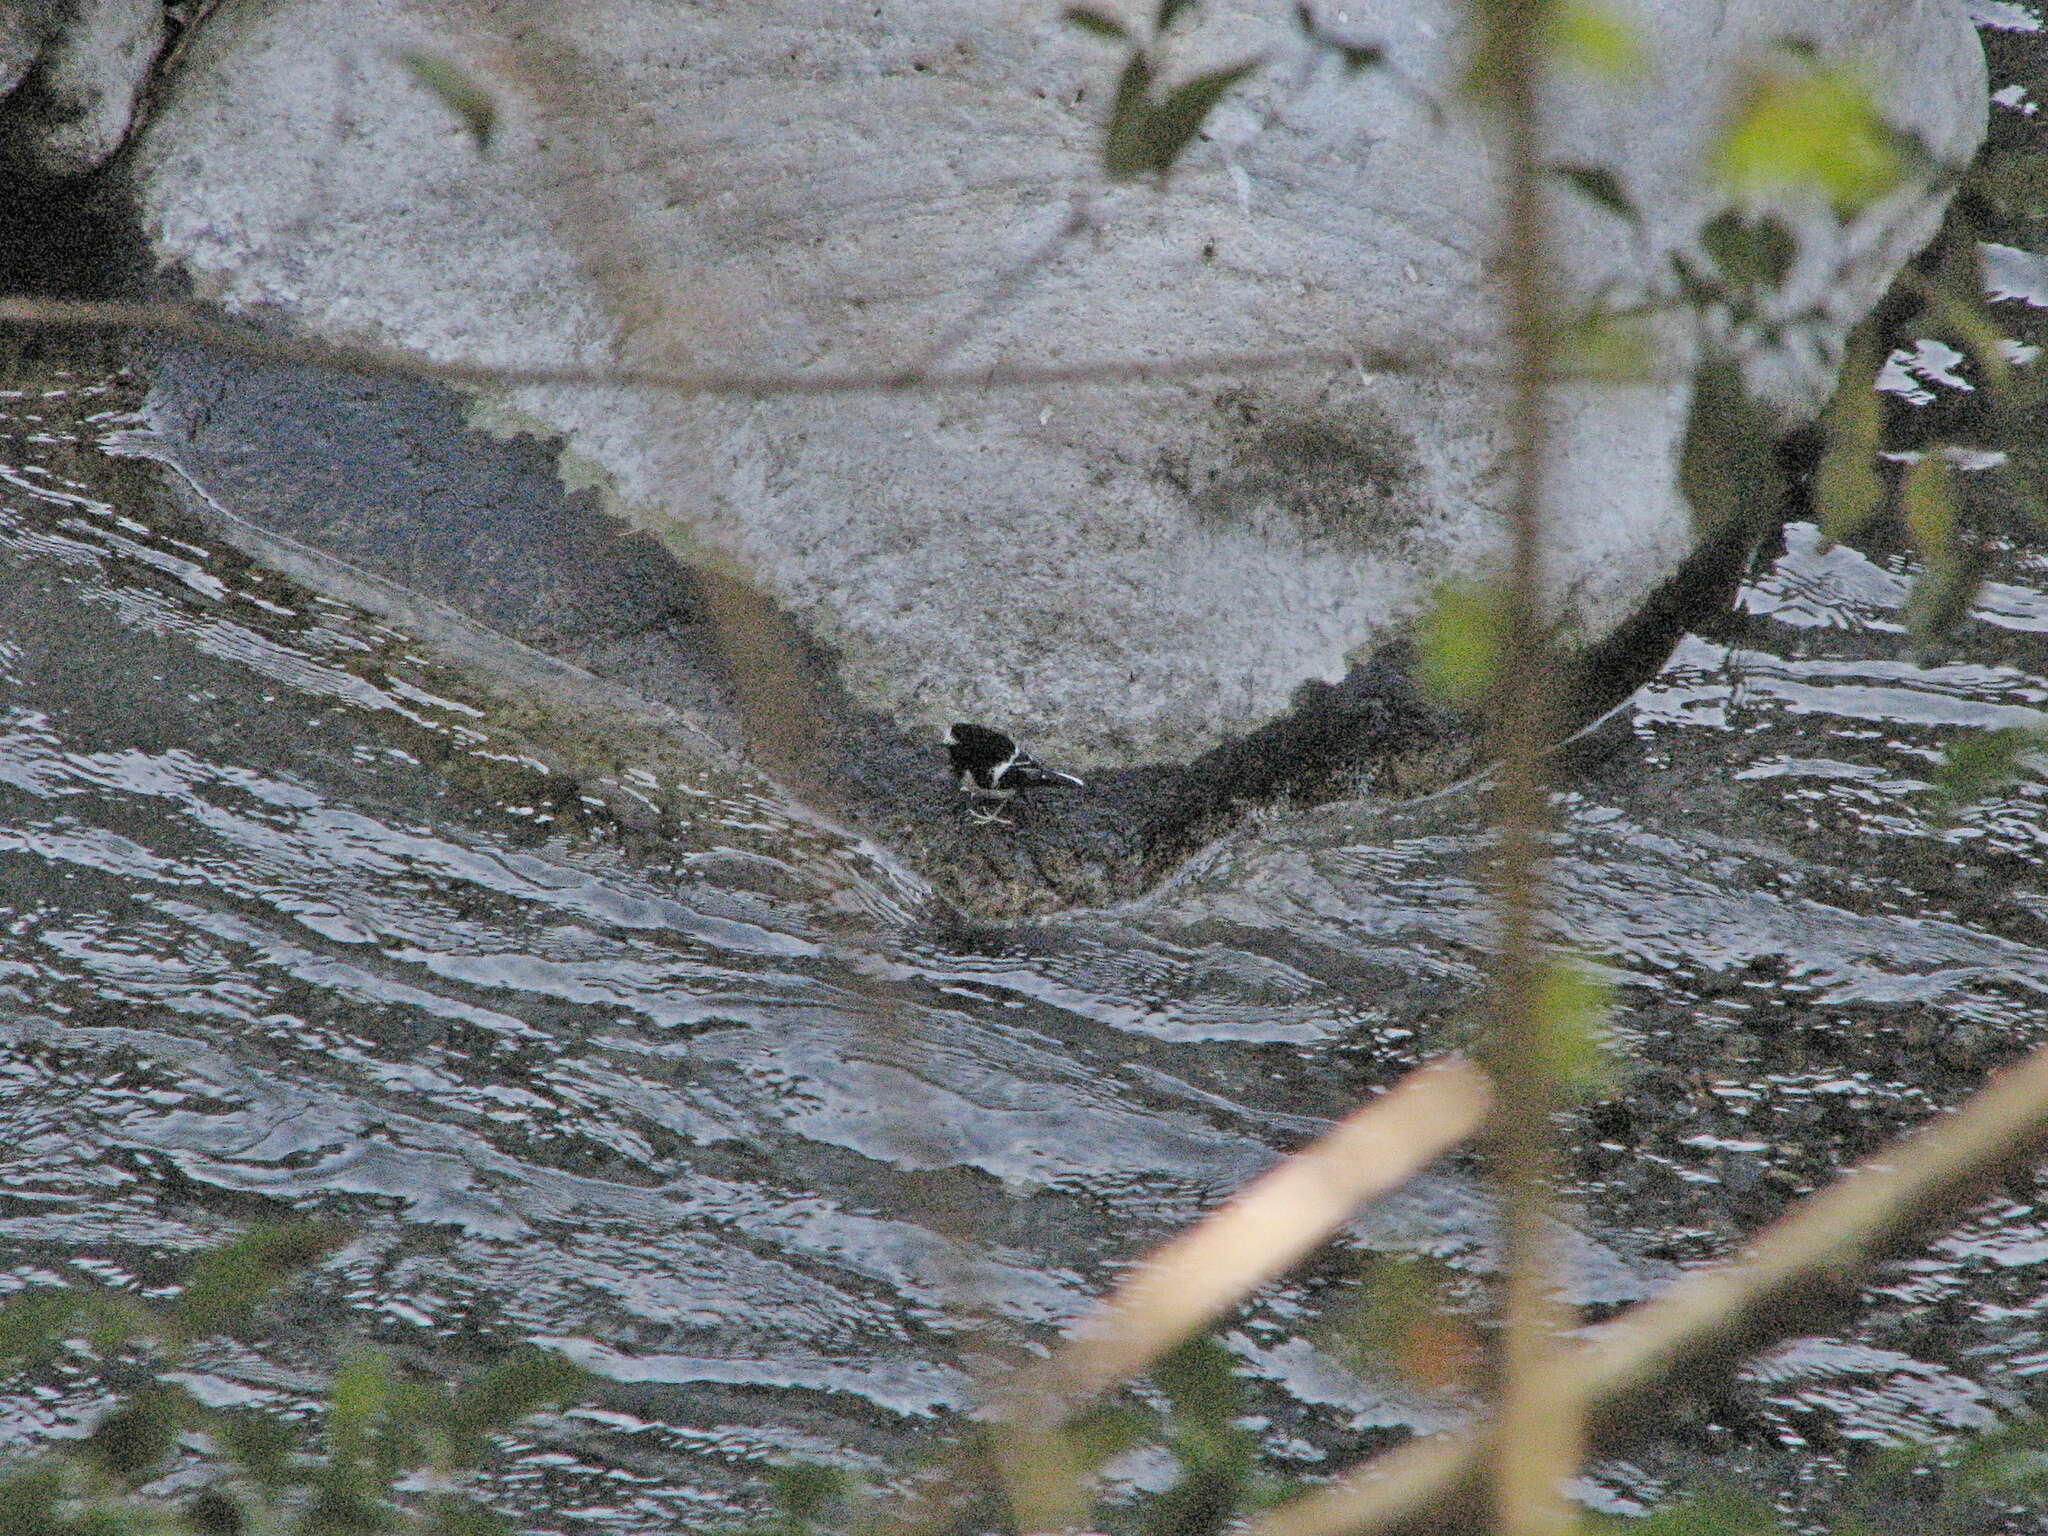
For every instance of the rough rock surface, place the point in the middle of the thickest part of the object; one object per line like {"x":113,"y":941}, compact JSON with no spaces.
{"x":71,"y":72}
{"x":1122,"y":574}
{"x":1194,"y":590}
{"x":21,"y":44}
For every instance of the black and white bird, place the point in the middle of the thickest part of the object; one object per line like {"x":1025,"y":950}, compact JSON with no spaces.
{"x":992,"y":769}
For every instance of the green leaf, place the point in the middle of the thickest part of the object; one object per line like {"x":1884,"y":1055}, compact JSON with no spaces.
{"x":233,"y":1278}
{"x":1177,"y":117}
{"x":1180,"y":116}
{"x":28,"y":1503}
{"x":1944,"y":594}
{"x":1728,"y":467}
{"x":1571,"y":1008}
{"x":1595,"y":39}
{"x":1810,"y":128}
{"x":1847,"y":490}
{"x":1168,"y":13}
{"x":1958,"y":310}
{"x":515,"y":1386}
{"x":1750,"y":253}
{"x":379,"y":1427}
{"x":1124,"y":151}
{"x":2016,"y":182}
{"x":359,"y":1399}
{"x":132,"y":1441}
{"x":1201,"y":1384}
{"x":457,"y":90}
{"x":1927,"y":504}
{"x":1145,"y":137}
{"x":1600,"y":186}
{"x":1983,"y":762}
{"x":1097,"y":23}
{"x":1461,"y":640}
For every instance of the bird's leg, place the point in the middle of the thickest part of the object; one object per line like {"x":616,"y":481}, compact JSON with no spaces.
{"x":992,"y":817}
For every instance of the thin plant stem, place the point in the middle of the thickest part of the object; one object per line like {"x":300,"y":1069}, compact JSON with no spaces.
{"x":1539,"y":1442}
{"x":190,"y":322}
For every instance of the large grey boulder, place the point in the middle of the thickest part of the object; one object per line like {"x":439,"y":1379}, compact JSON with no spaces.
{"x":1122,"y":573}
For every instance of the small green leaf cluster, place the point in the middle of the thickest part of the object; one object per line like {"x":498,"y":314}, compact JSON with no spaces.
{"x":1798,"y":124}
{"x":1148,"y":129}
{"x":1800,"y":133}
{"x":1041,"y":1472}
{"x":333,"y":1473}
{"x":1993,"y":1480}
{"x":1980,"y":764}
{"x":1925,"y":501}
{"x":1577,"y":34}
{"x":1804,"y":128}
{"x":1948,"y":519}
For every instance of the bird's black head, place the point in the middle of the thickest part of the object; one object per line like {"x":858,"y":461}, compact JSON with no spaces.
{"x":977,"y":746}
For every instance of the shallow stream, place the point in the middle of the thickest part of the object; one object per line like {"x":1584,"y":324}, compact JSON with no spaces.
{"x":296,"y":917}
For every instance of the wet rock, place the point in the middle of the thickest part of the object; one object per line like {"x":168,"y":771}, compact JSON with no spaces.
{"x":71,"y":73}
{"x":21,"y":44}
{"x":1200,"y":585}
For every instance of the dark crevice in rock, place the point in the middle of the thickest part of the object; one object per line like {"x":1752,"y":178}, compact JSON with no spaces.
{"x":68,"y":237}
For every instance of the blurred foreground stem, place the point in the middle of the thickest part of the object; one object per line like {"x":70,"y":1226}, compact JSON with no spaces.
{"x":1540,"y":1440}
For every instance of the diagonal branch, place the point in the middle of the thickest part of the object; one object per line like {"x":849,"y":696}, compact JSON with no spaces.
{"x":1800,"y":1271}
{"x":1273,"y":1224}
{"x":1279,"y":1218}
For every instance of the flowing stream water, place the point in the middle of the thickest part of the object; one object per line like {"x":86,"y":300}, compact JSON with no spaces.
{"x":297,"y":916}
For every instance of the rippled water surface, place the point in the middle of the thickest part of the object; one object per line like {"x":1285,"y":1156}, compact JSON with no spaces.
{"x":293,"y":921}
{"x":588,"y":1044}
